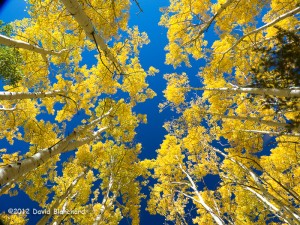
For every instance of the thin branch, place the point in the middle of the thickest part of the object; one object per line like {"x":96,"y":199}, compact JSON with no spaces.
{"x":138,"y":5}
{"x":281,"y":17}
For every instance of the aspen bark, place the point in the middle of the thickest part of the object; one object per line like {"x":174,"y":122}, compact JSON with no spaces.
{"x":272,"y":208}
{"x":7,"y":95}
{"x":214,"y":215}
{"x":7,"y":109}
{"x":7,"y":187}
{"x":284,"y":92}
{"x":4,"y":40}
{"x":17,"y":169}
{"x":255,"y":119}
{"x":267,"y":197}
{"x":105,"y":199}
{"x":75,"y":9}
{"x":57,"y":202}
{"x":61,"y":217}
{"x":272,"y":133}
{"x":279,"y":18}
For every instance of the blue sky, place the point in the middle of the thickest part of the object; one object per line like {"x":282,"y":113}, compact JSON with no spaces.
{"x":150,"y":134}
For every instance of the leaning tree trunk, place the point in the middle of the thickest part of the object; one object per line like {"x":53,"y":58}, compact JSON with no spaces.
{"x":273,"y":22}
{"x":7,"y":95}
{"x":267,"y":198}
{"x":75,"y":9}
{"x":200,"y":200}
{"x":18,"y":169}
{"x":59,"y":199}
{"x":283,"y":92}
{"x":4,"y":40}
{"x":99,"y":217}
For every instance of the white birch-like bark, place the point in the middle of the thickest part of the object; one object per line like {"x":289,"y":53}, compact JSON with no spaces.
{"x":212,"y":212}
{"x":4,"y":40}
{"x":7,"y":109}
{"x":268,"y":198}
{"x":61,"y":198}
{"x":284,"y":92}
{"x":255,"y":119}
{"x":272,"y":208}
{"x":7,"y":95}
{"x":75,"y":9}
{"x":279,"y":18}
{"x":61,"y":217}
{"x":17,"y":169}
{"x":105,"y":199}
{"x":272,"y":133}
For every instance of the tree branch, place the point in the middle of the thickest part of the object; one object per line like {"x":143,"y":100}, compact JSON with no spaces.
{"x":4,"y":40}
{"x":7,"y":95}
{"x":281,"y":17}
{"x":75,"y":9}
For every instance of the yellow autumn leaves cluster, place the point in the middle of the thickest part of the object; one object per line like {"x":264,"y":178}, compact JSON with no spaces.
{"x":230,"y":155}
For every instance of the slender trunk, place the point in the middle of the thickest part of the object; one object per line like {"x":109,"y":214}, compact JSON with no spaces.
{"x":17,"y":169}
{"x":272,"y":208}
{"x":214,"y":215}
{"x":4,"y":40}
{"x":105,"y":199}
{"x":284,"y":92}
{"x":61,"y":217}
{"x":254,"y":119}
{"x":279,"y":18}
{"x":220,"y":10}
{"x":58,"y":200}
{"x":75,"y":9}
{"x":273,"y":133}
{"x":7,"y":95}
{"x":283,"y":208}
{"x":207,"y":24}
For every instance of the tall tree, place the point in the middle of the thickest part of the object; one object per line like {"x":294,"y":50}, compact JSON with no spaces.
{"x":56,"y":88}
{"x":229,"y":110}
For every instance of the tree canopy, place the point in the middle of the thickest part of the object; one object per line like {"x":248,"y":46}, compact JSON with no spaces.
{"x":77,"y":121}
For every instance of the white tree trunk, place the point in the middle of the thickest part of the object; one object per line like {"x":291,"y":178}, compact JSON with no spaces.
{"x":4,"y":40}
{"x":17,"y":169}
{"x":279,"y":18}
{"x":268,"y":198}
{"x":272,"y":208}
{"x":7,"y":187}
{"x":284,"y":92}
{"x":105,"y":199}
{"x":59,"y":199}
{"x":75,"y":9}
{"x":254,"y":119}
{"x":7,"y":95}
{"x":273,"y":133}
{"x":212,"y":212}
{"x":61,"y":217}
